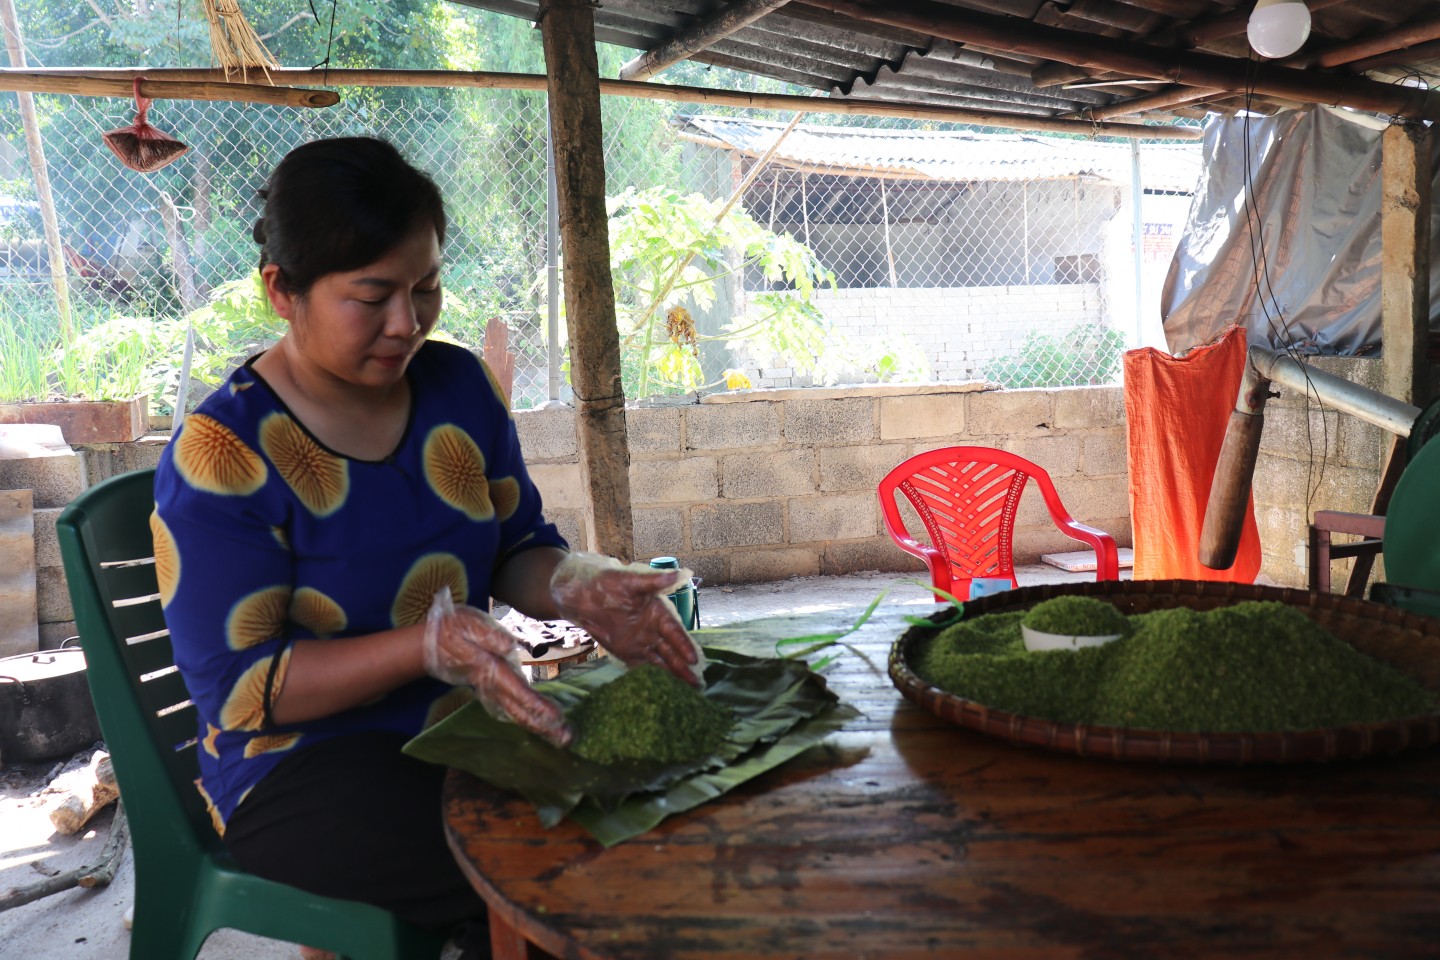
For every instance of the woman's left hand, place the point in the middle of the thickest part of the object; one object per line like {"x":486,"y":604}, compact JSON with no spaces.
{"x":624,"y":608}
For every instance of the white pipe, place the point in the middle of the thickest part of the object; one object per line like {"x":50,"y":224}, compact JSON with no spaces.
{"x":1387,"y":413}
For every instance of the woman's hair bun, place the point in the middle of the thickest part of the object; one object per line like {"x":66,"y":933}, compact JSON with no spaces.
{"x":258,"y":231}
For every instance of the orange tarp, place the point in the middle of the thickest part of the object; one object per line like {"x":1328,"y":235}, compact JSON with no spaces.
{"x":1176,"y":410}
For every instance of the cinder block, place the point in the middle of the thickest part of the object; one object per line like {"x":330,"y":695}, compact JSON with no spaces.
{"x":1279,"y":525}
{"x":18,"y":574}
{"x":758,"y":566}
{"x":710,"y":569}
{"x":559,"y":485}
{"x":823,"y":422}
{"x":1015,"y":413}
{"x":1362,"y":444}
{"x":546,"y":434}
{"x":1031,"y":542}
{"x":54,"y":635}
{"x":844,"y":517}
{"x":1292,"y":432}
{"x":653,"y":430}
{"x":106,"y":460}
{"x":1058,"y":456}
{"x":52,"y":596}
{"x":724,"y":524}
{"x":1087,"y":497}
{"x":914,"y":418}
{"x":732,"y":425}
{"x":1105,"y":453}
{"x":571,"y":524}
{"x":658,"y":532}
{"x":674,"y":481}
{"x":858,"y":468}
{"x":785,"y":473}
{"x":1077,"y":407}
{"x":47,"y":544}
{"x":55,"y":480}
{"x":855,"y":556}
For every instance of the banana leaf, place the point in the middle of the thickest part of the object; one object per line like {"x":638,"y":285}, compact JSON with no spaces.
{"x":780,"y":706}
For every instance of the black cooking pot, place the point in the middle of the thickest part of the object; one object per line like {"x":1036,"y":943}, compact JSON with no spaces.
{"x":45,"y":705}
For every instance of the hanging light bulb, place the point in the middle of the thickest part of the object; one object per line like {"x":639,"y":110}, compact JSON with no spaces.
{"x":1278,"y":28}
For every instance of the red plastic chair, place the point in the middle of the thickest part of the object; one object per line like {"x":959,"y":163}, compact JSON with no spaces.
{"x":967,"y":498}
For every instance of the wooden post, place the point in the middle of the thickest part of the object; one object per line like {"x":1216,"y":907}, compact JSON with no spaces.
{"x":567,"y":29}
{"x":55,"y":250}
{"x":180,"y":266}
{"x":1405,"y":262}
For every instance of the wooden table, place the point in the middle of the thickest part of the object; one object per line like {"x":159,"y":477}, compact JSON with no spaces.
{"x":902,"y":836}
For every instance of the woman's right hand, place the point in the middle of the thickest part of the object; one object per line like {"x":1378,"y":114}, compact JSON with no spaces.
{"x":467,"y":645}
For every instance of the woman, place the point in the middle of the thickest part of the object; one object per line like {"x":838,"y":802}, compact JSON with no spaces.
{"x":328,"y":526}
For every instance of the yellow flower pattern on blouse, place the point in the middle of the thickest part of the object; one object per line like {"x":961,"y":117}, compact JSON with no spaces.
{"x":167,"y":558}
{"x":316,"y":612}
{"x":211,"y":732}
{"x":244,"y":709}
{"x":270,"y":743}
{"x":215,"y":819}
{"x":455,"y":470}
{"x":212,"y":458}
{"x":505,"y":494}
{"x":425,"y":577}
{"x":257,"y":617}
{"x":319,"y":478}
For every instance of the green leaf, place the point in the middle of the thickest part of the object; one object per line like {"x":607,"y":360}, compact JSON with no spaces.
{"x":781,"y":707}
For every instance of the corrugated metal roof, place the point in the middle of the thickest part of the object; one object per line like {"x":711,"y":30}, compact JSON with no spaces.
{"x":949,"y":156}
{"x":805,"y":44}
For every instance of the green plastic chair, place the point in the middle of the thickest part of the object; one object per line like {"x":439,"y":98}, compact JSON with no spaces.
{"x":186,"y":884}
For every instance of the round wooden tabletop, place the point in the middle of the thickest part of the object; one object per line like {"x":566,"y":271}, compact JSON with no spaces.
{"x":904,"y":836}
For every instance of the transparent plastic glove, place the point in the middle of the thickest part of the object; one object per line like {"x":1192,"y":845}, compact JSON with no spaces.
{"x":466,"y":645}
{"x":623,"y":607}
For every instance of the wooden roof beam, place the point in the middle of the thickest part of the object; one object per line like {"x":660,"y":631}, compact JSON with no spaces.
{"x":1419,"y":53}
{"x":1389,"y":41}
{"x":1170,"y":97}
{"x":1142,"y":60}
{"x":701,"y":34}
{"x":480,"y":79}
{"x":1232,"y":24}
{"x":1419,"y":36}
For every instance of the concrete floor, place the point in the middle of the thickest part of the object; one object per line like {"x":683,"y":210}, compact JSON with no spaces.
{"x":87,"y":924}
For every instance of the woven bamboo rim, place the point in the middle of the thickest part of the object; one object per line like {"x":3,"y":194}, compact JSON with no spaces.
{"x":1406,"y":640}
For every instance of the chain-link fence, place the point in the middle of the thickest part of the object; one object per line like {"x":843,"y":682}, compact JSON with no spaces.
{"x":854,"y":255}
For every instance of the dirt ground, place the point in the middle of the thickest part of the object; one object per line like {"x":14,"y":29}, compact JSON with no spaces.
{"x":88,"y":924}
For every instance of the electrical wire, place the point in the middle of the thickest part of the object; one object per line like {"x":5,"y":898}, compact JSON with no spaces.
{"x":1280,"y":335}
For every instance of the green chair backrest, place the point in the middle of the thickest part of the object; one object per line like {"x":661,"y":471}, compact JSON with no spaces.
{"x":144,"y":709}
{"x":186,"y":885}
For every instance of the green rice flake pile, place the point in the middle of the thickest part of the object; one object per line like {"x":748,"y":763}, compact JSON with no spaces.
{"x":648,"y":715}
{"x":1077,"y":616}
{"x":1253,"y":667}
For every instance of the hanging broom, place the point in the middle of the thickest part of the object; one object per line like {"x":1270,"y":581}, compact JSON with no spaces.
{"x":233,"y":42}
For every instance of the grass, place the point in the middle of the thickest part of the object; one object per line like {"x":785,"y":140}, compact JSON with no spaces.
{"x":108,"y":361}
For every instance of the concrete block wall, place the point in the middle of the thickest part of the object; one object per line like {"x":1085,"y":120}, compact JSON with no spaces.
{"x":959,"y":329}
{"x":774,"y":484}
{"x":1329,"y":459}
{"x":750,"y":487}
{"x":53,"y":481}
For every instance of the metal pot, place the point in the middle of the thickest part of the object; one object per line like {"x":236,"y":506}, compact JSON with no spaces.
{"x":45,"y":705}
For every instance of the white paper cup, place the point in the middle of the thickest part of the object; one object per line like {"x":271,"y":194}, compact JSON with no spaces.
{"x":1036,"y":640}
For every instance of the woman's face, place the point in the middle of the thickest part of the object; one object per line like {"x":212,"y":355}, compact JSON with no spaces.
{"x":363,"y":326}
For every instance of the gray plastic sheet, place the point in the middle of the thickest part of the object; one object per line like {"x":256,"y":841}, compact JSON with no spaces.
{"x":1309,"y":278}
